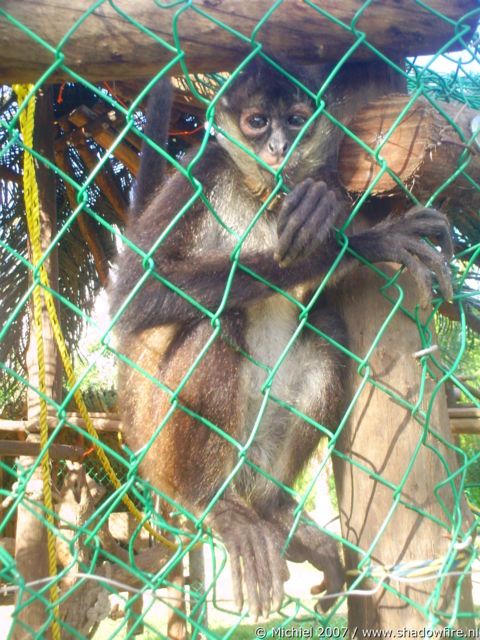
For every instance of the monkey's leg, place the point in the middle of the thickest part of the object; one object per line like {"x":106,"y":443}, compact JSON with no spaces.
{"x":189,"y":461}
{"x":314,"y":380}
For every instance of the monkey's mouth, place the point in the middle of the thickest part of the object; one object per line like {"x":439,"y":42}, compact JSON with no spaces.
{"x":288,"y":171}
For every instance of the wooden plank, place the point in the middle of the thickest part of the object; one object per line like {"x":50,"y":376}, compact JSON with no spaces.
{"x":103,"y":423}
{"x":56,"y":451}
{"x":464,"y":412}
{"x":106,"y":45}
{"x":110,"y":422}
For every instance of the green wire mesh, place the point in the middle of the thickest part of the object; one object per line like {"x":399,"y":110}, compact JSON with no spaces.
{"x":144,"y":607}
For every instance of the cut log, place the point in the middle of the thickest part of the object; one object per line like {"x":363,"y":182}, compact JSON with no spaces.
{"x":424,"y":150}
{"x":106,"y":45}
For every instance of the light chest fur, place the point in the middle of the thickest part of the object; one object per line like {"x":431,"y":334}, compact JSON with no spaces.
{"x":269,"y":328}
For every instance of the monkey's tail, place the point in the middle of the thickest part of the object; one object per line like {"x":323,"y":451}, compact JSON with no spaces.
{"x":151,"y":172}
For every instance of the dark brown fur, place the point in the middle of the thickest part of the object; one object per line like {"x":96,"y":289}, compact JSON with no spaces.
{"x":291,"y":246}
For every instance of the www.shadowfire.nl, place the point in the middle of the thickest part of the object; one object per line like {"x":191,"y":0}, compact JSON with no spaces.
{"x":415,"y":633}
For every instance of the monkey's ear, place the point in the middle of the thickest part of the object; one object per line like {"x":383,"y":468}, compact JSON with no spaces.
{"x":224,"y":102}
{"x":313,"y":75}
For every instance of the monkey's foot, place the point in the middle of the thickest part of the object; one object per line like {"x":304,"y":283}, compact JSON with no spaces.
{"x":310,"y":544}
{"x":305,"y":220}
{"x":255,"y":545}
{"x":399,"y":238}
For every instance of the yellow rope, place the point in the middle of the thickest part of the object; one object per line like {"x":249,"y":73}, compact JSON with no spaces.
{"x":32,"y":208}
{"x":82,"y":408}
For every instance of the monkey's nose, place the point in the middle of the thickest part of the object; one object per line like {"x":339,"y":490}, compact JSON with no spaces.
{"x":278,"y":148}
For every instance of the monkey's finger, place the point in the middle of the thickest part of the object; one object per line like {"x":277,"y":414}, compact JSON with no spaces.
{"x":236,"y":572}
{"x":430,"y":223}
{"x":423,"y":222}
{"x":291,"y":219}
{"x":420,"y":274}
{"x":264,"y":567}
{"x":280,"y":573}
{"x":435,"y":262}
{"x":251,"y":579}
{"x":312,"y":234}
{"x":311,"y":208}
{"x":291,"y":202}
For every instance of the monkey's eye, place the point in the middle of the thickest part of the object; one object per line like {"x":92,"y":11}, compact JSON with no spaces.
{"x":258,"y":121}
{"x":296,"y":120}
{"x":254,"y":123}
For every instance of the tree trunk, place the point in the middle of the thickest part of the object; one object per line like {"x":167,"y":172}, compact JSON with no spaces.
{"x":382,"y":436}
{"x":31,"y":535}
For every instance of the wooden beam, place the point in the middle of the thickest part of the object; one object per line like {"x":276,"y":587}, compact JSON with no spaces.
{"x":117,"y":121}
{"x":56,"y":451}
{"x":104,"y":179}
{"x":462,"y":425}
{"x":9,"y":175}
{"x":103,"y":423}
{"x":464,"y":420}
{"x":463,"y":413}
{"x":110,"y":422}
{"x":99,"y":129}
{"x":107,"y":46}
{"x":84,"y":223}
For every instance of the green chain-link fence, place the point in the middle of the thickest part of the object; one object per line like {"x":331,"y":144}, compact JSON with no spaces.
{"x":97,"y":574}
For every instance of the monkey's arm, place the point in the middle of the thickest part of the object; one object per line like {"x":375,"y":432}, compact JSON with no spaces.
{"x":205,"y":278}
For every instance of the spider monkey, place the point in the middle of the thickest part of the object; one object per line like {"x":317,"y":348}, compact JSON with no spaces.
{"x":245,"y":324}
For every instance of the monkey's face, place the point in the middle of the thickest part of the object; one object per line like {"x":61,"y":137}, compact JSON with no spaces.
{"x":271,"y":130}
{"x":270,"y":118}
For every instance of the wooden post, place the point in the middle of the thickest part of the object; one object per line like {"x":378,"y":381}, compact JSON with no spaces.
{"x":382,"y":436}
{"x":196,"y":573}
{"x":31,"y":535}
{"x":176,"y":625}
{"x":136,"y":600}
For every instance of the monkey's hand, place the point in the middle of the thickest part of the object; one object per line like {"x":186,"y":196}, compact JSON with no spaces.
{"x":305,"y":220}
{"x":399,"y":238}
{"x":257,"y":545}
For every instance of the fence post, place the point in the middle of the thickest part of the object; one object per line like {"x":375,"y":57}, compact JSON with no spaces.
{"x":31,"y":535}
{"x":382,"y":436}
